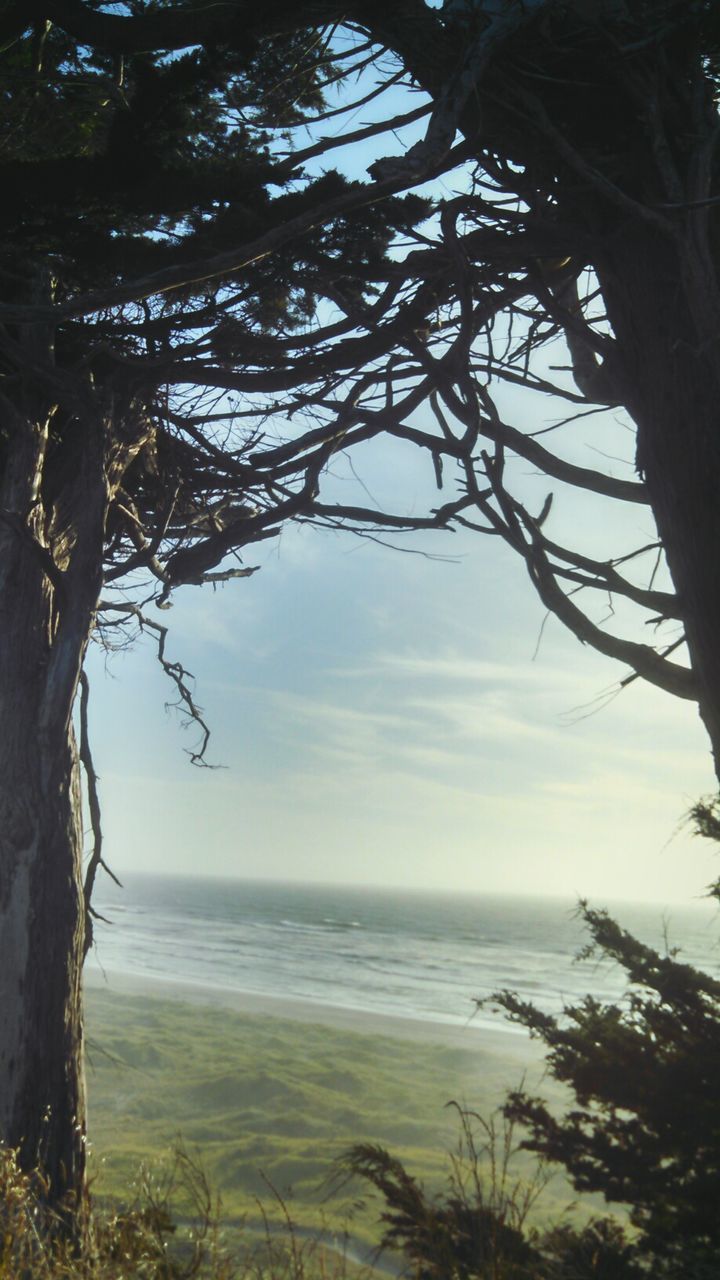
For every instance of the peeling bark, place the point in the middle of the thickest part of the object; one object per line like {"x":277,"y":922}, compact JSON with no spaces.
{"x":50,"y":558}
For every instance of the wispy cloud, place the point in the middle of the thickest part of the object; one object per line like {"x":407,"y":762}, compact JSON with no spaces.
{"x":449,"y":668}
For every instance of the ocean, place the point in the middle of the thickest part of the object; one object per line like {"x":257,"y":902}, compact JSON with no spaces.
{"x":426,"y":956}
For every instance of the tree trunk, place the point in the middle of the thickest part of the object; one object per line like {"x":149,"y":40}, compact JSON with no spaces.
{"x":42,"y":917}
{"x":663,"y":306}
{"x":49,"y":583}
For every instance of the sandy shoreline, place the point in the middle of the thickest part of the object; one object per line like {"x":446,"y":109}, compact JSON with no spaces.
{"x":471,"y":1035}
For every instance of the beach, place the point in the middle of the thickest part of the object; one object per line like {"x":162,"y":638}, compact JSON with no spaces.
{"x":267,"y":1028}
{"x":506,"y":1043}
{"x":268,"y":1092}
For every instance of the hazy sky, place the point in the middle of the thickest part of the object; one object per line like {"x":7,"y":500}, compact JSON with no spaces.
{"x":387,"y":718}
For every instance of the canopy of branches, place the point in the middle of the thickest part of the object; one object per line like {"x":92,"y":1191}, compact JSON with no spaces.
{"x":181,"y":262}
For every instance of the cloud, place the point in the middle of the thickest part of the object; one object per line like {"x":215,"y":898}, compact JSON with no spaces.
{"x":490,"y":716}
{"x":457,"y":668}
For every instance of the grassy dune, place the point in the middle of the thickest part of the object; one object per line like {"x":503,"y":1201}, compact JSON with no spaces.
{"x":265,"y":1099}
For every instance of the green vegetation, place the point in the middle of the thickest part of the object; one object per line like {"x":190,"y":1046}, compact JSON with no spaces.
{"x":278,"y":1114}
{"x":642,"y":1130}
{"x":482,"y":1227}
{"x":266,"y":1101}
{"x":206,"y":1164}
{"x":645,"y":1120}
{"x":171,"y":1230}
{"x":217,"y":1137}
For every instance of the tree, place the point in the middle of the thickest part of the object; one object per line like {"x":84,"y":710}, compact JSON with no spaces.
{"x":480,"y":1228}
{"x":644,"y":1127}
{"x":159,"y":253}
{"x":588,"y":146}
{"x":125,"y":471}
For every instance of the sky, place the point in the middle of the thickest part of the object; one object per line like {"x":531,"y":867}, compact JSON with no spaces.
{"x":406,"y":717}
{"x":383,"y":717}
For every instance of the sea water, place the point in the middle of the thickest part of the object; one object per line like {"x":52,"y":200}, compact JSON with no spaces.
{"x":428,"y":956}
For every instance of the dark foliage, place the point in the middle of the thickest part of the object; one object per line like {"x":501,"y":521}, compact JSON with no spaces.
{"x":440,"y":1238}
{"x":645,"y":1131}
{"x":479,"y":1230}
{"x":119,"y":167}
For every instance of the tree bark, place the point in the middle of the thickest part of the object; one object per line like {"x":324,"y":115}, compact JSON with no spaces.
{"x":50,"y":557}
{"x":42,"y":920}
{"x":663,"y":306}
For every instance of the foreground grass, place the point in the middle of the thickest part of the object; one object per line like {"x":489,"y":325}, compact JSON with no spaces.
{"x":174,"y":1229}
{"x":171,"y":1230}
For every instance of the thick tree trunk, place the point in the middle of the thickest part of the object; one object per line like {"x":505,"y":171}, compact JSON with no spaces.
{"x":42,"y":1095}
{"x":664,"y":310}
{"x":49,"y":583}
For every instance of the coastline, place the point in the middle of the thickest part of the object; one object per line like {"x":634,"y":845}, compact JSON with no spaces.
{"x":473,"y":1036}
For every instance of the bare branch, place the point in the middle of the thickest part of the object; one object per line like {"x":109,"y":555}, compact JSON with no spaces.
{"x":523,"y":534}
{"x":175,"y":671}
{"x":96,"y":859}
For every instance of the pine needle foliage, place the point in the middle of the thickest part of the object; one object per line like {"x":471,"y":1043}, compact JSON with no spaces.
{"x":645,"y":1130}
{"x":480,"y":1228}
